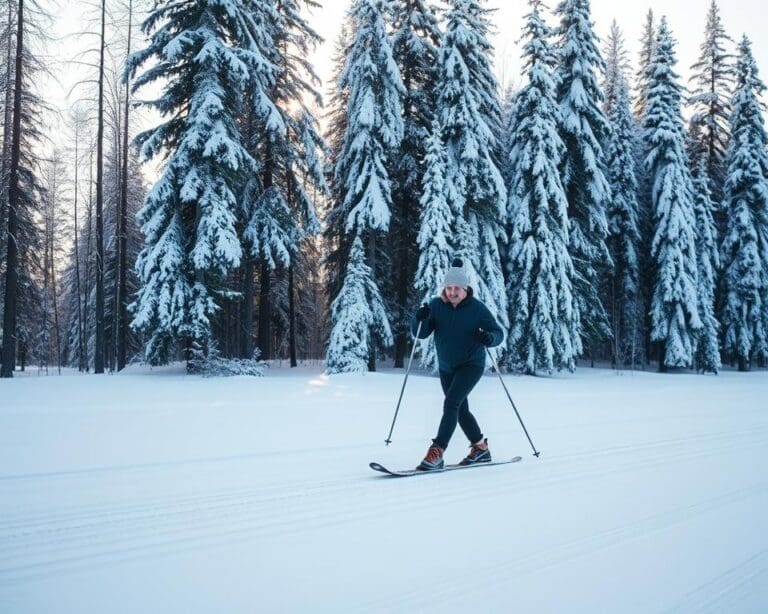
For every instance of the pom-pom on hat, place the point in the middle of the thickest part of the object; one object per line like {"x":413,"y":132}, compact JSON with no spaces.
{"x":456,"y":275}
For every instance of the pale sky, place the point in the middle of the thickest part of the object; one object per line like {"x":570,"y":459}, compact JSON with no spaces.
{"x":686,"y":19}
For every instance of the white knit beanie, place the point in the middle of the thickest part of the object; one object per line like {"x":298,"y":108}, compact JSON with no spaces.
{"x":456,"y":275}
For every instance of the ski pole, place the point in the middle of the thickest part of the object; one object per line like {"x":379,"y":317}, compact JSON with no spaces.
{"x":501,"y":379}
{"x":388,"y":440}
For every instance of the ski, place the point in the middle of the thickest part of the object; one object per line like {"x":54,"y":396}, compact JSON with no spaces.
{"x":410,"y":472}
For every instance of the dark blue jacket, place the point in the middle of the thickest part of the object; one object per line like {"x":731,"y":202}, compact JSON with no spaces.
{"x":456,"y":329}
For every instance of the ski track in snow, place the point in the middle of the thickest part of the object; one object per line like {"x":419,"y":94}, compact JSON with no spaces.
{"x":137,"y":510}
{"x":36,"y":545}
{"x":492,"y":575}
{"x":729,"y":588}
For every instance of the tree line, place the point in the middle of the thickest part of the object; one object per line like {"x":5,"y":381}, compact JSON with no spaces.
{"x":597,"y":223}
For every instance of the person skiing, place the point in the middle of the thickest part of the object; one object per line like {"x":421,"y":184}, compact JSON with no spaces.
{"x":463,"y":328}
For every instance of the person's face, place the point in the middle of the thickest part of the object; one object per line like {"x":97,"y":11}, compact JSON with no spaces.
{"x":455,"y":294}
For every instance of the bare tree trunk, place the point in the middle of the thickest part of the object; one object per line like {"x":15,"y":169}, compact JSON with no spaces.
{"x":246,"y":325}
{"x":122,"y":242}
{"x":291,"y":291}
{"x":291,"y":318}
{"x":80,"y":357}
{"x":265,"y":312}
{"x":55,"y":296}
{"x":11,"y":271}
{"x":98,"y":355}
{"x":88,"y":254}
{"x":372,"y":264}
{"x":45,"y":358}
{"x":265,"y":300}
{"x":7,"y":127}
{"x":52,"y":262}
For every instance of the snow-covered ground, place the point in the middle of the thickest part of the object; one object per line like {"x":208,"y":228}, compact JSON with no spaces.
{"x":159,"y":492}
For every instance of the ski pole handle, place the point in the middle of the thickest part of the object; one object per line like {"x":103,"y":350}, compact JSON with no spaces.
{"x":388,"y":440}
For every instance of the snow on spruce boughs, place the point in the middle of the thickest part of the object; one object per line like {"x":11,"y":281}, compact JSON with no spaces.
{"x":584,"y":129}
{"x":707,"y":357}
{"x":208,"y":52}
{"x":616,"y":68}
{"x":744,"y":252}
{"x":542,"y":334}
{"x":624,"y":231}
{"x":281,"y":215}
{"x":674,"y":308}
{"x":374,"y":123}
{"x":434,"y":234}
{"x":712,"y":84}
{"x":357,"y":314}
{"x":374,"y":130}
{"x":470,"y":115}
{"x":415,"y":40}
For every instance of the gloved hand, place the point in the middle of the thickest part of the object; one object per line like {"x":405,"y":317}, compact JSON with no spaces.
{"x":484,"y":337}
{"x":423,"y":312}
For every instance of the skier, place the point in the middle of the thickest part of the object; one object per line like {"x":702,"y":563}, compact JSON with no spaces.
{"x":463,"y":328}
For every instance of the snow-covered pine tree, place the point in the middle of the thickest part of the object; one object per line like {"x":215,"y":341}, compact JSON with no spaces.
{"x":374,"y":122}
{"x":337,"y":242}
{"x":647,"y":49}
{"x":623,"y":232}
{"x":543,"y":333}
{"x":434,"y":233}
{"x":707,"y":356}
{"x":616,"y":68}
{"x":415,"y":38}
{"x":470,"y":114}
{"x":645,"y":206}
{"x":712,"y":79}
{"x":674,"y":308}
{"x":206,"y":50}
{"x":744,"y":252}
{"x":374,"y":130}
{"x":357,"y":314}
{"x":283,"y":135}
{"x":30,"y":189}
{"x":584,"y":129}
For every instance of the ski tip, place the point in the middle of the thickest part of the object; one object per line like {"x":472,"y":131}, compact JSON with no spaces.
{"x":376,"y":467}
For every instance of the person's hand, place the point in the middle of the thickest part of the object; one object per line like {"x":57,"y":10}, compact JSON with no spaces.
{"x":484,"y":337}
{"x":423,"y":312}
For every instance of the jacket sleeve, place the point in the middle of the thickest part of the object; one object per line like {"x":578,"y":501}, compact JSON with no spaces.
{"x":427,"y":327}
{"x":488,"y":323}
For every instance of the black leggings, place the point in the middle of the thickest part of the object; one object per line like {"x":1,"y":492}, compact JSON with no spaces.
{"x":457,"y":384}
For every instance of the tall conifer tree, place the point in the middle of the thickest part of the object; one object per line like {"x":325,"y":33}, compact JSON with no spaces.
{"x":674,"y":308}
{"x":616,"y":68}
{"x":434,"y":238}
{"x":470,"y":116}
{"x":374,"y":129}
{"x":208,"y":51}
{"x":712,"y":81}
{"x":584,"y":129}
{"x":707,"y":357}
{"x":543,"y":333}
{"x":624,"y":232}
{"x":744,"y":253}
{"x":415,"y":39}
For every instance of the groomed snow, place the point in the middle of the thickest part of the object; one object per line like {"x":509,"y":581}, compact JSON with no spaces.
{"x":153,"y":491}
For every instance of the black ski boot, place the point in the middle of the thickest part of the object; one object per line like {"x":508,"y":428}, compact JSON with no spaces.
{"x":478,"y":453}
